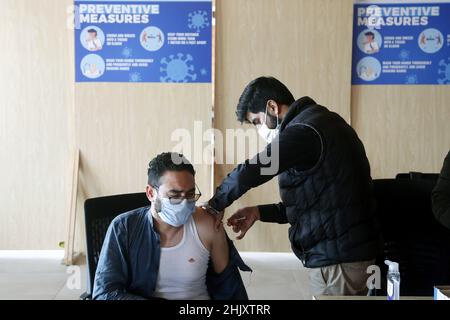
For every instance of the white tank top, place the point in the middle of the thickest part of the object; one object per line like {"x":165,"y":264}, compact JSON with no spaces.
{"x":182,"y":269}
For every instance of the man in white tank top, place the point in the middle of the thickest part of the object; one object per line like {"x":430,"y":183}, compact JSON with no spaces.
{"x":188,"y":234}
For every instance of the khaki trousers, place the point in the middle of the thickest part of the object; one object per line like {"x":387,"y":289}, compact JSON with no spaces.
{"x":345,"y":279}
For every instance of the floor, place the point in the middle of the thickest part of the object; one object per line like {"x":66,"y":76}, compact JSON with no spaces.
{"x":40,"y":275}
{"x":276,"y":276}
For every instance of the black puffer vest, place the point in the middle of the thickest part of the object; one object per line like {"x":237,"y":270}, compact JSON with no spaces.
{"x":331,"y":207}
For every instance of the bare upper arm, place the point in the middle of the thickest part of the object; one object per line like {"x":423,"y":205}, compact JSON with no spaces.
{"x":214,"y":240}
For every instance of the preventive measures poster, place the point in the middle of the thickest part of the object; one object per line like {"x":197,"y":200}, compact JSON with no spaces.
{"x":143,"y":41}
{"x":401,"y":42}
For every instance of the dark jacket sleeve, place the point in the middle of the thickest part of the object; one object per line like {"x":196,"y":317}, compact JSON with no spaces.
{"x":296,"y":146}
{"x":111,"y":276}
{"x":228,"y":284}
{"x":273,"y":213}
{"x":441,"y":195}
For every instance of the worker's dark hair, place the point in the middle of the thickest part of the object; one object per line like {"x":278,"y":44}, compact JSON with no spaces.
{"x":168,"y":161}
{"x":258,"y":92}
{"x":370,"y":33}
{"x":92,"y":31}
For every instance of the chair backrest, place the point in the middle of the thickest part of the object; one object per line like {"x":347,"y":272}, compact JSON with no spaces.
{"x":432,"y":177}
{"x":98,"y":213}
{"x":412,"y":236}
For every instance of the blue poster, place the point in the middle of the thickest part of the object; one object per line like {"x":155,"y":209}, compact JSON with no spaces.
{"x":143,"y":41}
{"x":401,"y":42}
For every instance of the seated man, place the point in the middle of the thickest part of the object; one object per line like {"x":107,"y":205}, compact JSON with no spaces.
{"x":171,"y":249}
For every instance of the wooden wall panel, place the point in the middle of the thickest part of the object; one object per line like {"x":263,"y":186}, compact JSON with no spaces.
{"x":404,"y":128}
{"x":304,"y":43}
{"x":36,"y":97}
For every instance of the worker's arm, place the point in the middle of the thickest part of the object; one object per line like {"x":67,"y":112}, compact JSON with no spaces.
{"x":273,"y":213}
{"x":297,"y":146}
{"x":441,"y":195}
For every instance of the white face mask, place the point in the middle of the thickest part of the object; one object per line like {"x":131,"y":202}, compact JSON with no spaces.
{"x":176,"y":215}
{"x":268,"y":134}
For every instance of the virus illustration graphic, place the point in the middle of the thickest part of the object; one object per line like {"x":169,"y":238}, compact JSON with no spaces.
{"x":135,"y":77}
{"x":198,"y":20}
{"x":127,"y":52}
{"x":404,"y":55}
{"x":203,"y":72}
{"x":445,"y":71}
{"x":178,"y":68}
{"x":412,"y":79}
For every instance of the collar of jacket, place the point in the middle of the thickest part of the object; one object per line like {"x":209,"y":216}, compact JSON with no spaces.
{"x":295,"y":109}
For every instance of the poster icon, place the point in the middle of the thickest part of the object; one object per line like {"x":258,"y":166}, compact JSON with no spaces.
{"x":198,"y":20}
{"x":92,"y":66}
{"x":444,"y":71}
{"x":178,"y":68}
{"x":431,"y":40}
{"x":368,"y":69}
{"x":92,"y":38}
{"x":370,"y":41}
{"x":152,"y":38}
{"x":412,"y":79}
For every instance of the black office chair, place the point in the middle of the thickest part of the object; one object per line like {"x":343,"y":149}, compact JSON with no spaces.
{"x":98,"y":213}
{"x":412,"y":236}
{"x":431,"y":177}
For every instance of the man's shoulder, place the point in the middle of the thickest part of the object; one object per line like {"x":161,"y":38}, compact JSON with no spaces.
{"x":205,"y":224}
{"x":202,"y":218}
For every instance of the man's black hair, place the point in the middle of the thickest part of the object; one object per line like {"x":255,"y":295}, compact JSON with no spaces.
{"x":258,"y":92}
{"x":92,"y":31}
{"x":370,"y":33}
{"x":168,"y":161}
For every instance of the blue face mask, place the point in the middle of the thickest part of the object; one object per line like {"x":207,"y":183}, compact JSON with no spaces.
{"x":176,"y":215}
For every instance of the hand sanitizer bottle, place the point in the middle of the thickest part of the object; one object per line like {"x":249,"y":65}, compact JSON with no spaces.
{"x":393,"y":281}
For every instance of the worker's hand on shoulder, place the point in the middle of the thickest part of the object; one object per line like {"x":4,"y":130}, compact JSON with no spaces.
{"x":218,"y":215}
{"x":243,"y":219}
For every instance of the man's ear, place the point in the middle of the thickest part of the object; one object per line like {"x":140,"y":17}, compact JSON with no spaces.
{"x":273,"y":108}
{"x":151,"y":193}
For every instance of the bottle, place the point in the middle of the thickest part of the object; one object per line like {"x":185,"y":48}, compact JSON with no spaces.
{"x":393,"y":281}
